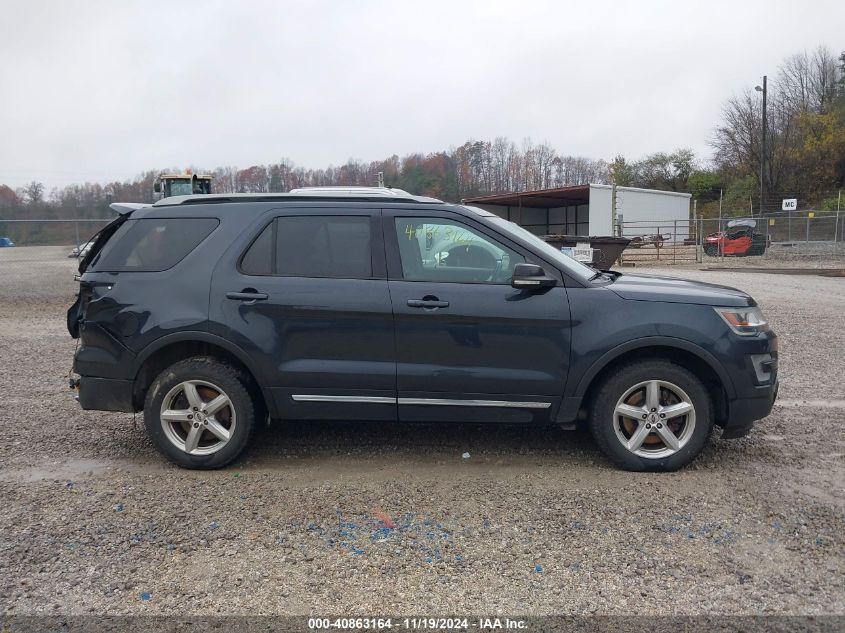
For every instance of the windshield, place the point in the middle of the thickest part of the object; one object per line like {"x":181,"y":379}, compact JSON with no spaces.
{"x":573,"y":267}
{"x":180,"y":187}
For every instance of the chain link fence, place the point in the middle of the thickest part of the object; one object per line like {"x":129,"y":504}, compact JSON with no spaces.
{"x":72,"y":232}
{"x":44,"y":241}
{"x":810,"y":235}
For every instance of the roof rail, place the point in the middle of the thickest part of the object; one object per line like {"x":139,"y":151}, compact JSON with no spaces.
{"x":324,"y":193}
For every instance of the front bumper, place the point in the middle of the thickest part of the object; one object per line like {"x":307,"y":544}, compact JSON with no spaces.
{"x":743,"y":412}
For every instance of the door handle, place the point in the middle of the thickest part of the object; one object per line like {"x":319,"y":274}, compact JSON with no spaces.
{"x":248,"y":294}
{"x":427,"y":303}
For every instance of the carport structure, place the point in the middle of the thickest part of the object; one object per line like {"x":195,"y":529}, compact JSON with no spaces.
{"x":544,"y":211}
{"x":585,"y":209}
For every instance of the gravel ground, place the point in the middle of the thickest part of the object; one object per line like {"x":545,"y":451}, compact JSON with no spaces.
{"x":534,"y":522}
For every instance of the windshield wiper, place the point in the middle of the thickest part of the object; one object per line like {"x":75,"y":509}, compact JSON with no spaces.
{"x":604,"y":274}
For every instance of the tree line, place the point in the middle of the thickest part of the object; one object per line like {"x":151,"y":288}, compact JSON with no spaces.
{"x":805,"y":158}
{"x":474,"y":168}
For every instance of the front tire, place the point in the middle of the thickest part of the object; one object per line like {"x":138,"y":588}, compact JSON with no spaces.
{"x":199,"y":413}
{"x":651,"y":415}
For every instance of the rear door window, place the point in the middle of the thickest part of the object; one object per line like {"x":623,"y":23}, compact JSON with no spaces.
{"x":258,"y":259}
{"x":155,"y":244}
{"x":312,"y":246}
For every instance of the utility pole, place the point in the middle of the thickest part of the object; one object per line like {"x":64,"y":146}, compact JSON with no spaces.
{"x":763,"y":146}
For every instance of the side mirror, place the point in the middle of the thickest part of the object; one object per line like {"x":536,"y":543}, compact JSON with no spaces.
{"x":531,"y":277}
{"x":157,"y":187}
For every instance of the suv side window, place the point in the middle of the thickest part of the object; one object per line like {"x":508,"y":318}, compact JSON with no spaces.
{"x":442,"y":250}
{"x":312,"y":246}
{"x":155,"y":244}
{"x":258,"y":259}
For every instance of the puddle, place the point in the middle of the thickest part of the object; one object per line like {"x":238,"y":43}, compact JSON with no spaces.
{"x":823,"y":404}
{"x":75,"y":469}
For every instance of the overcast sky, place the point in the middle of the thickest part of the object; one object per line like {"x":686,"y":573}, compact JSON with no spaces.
{"x":103,"y":90}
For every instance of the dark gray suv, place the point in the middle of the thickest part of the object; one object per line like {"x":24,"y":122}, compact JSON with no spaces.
{"x":212,"y":312}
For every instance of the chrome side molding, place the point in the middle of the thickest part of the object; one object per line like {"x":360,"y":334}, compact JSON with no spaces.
{"x":447,"y":402}
{"x":358,"y":399}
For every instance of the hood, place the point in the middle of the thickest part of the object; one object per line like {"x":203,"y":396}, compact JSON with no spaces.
{"x":673,"y":290}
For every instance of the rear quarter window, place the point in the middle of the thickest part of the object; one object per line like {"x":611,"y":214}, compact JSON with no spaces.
{"x":155,"y":244}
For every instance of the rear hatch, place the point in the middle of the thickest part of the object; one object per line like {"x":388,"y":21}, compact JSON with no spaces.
{"x":76,"y":312}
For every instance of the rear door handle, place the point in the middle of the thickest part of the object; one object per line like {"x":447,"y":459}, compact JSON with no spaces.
{"x":427,"y":303}
{"x":247,"y":295}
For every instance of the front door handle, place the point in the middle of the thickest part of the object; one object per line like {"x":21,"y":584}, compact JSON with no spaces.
{"x":247,"y":294}
{"x":427,"y":303}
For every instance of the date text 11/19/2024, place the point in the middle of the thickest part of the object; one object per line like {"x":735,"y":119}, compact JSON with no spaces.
{"x":415,"y":624}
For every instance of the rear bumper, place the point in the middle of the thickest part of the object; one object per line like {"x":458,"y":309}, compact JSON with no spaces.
{"x":105,"y":394}
{"x":743,"y":412}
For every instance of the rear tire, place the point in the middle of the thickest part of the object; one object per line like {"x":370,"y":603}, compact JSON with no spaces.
{"x":199,"y":413}
{"x":666,"y":421}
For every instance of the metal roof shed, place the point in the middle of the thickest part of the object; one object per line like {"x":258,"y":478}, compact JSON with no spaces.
{"x":584,"y":209}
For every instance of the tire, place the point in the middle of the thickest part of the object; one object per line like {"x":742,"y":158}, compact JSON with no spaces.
{"x":758,"y":246}
{"x":710,"y":251}
{"x":629,"y":385}
{"x":221,"y":430}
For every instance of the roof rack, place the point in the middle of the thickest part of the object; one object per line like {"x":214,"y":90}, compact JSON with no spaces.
{"x":318,"y":193}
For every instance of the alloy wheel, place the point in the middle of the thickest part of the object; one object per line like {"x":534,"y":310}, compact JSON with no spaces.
{"x":197,"y":417}
{"x":654,"y":419}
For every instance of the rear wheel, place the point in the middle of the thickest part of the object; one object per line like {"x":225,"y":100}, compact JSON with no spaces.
{"x":651,"y":415}
{"x":199,"y":413}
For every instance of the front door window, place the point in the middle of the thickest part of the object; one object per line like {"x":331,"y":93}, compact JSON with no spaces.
{"x":441,"y":250}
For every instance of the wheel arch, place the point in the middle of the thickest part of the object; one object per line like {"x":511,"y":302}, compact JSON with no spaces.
{"x":175,"y":347}
{"x":684,"y":353}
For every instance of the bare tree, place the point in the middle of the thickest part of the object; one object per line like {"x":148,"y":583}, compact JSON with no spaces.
{"x":807,"y":81}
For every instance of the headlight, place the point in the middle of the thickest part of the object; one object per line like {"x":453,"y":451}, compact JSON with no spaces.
{"x":744,"y":321}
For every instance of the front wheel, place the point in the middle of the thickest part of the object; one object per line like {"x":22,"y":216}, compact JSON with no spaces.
{"x":199,"y":413}
{"x":651,"y":415}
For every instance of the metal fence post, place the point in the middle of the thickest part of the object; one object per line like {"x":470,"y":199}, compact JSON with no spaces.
{"x":808,"y":228}
{"x":697,"y":227}
{"x":674,"y":239}
{"x":699,"y":257}
{"x":657,"y":242}
{"x":76,"y":228}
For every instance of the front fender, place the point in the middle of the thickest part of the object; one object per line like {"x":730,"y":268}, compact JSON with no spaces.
{"x":655,"y":341}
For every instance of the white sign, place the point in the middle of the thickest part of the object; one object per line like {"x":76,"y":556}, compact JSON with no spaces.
{"x":790,"y":204}
{"x":580,"y":252}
